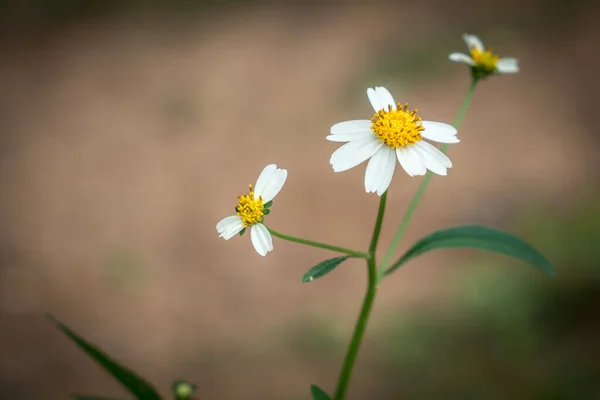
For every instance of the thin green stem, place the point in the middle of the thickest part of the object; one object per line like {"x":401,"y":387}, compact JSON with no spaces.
{"x":421,"y":190}
{"x":378,"y":222}
{"x":465,"y":104}
{"x":353,"y":253}
{"x":365,"y":312}
{"x":359,"y":331}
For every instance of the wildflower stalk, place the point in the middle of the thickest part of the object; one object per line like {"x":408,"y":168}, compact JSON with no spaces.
{"x":421,"y":190}
{"x":365,"y":311}
{"x":375,"y":275}
{"x":343,"y":250}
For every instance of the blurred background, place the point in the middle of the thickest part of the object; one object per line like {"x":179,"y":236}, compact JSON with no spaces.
{"x":127,"y":128}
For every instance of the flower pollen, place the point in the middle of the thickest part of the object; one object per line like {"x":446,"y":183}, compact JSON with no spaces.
{"x":485,"y":59}
{"x":397,"y":128}
{"x":250,"y":209}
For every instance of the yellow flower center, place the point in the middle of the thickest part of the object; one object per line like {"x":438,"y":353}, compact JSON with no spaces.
{"x":250,"y":209}
{"x":485,"y":59}
{"x":397,"y":128}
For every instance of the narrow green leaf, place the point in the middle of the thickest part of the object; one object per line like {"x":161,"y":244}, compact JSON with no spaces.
{"x":318,"y":393}
{"x":268,"y":204}
{"x":141,"y":389}
{"x":477,"y":237}
{"x":242,"y":232}
{"x":323,"y":268}
{"x":266,"y":211}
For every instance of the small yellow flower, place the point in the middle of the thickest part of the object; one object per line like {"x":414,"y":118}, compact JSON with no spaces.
{"x":251,"y":209}
{"x":483,"y":61}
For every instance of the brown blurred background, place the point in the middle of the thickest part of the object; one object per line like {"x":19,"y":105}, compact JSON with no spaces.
{"x":127,"y":128}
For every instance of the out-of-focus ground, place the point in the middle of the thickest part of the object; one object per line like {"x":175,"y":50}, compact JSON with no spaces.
{"x":125,"y":136}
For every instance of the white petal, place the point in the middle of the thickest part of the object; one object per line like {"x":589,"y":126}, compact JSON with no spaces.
{"x":261,"y":239}
{"x":440,"y":126}
{"x":270,"y":182}
{"x":473,"y":41}
{"x":439,"y":132}
{"x":265,"y":176}
{"x":431,"y":163}
{"x":507,"y":65}
{"x":380,"y":170}
{"x":358,"y":125}
{"x":353,"y":153}
{"x":347,"y":137}
{"x":374,"y":99}
{"x":463,"y":58}
{"x":228,"y":227}
{"x":410,"y":161}
{"x":385,"y":97}
{"x":435,"y":153}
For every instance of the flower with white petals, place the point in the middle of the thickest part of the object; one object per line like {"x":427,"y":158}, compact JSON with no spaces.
{"x":251,"y":209}
{"x":482,"y":61}
{"x":393,"y":132}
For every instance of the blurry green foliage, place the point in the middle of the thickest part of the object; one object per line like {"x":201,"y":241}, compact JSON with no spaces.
{"x":314,"y":338}
{"x":510,"y":333}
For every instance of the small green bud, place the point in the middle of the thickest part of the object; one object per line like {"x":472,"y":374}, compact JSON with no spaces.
{"x":183,"y":390}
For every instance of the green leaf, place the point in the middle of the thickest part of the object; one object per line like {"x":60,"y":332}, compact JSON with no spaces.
{"x":318,"y":393}
{"x":323,"y":268}
{"x":242,"y":232}
{"x":268,"y":204}
{"x":477,"y":237}
{"x":141,"y":389}
{"x":266,"y":211}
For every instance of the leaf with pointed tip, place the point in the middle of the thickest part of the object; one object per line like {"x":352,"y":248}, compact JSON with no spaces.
{"x":318,"y":393}
{"x":141,"y":389}
{"x":323,"y":268}
{"x":477,"y":237}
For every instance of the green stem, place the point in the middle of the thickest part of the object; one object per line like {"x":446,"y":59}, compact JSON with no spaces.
{"x":353,"y":253}
{"x":359,"y":331}
{"x":365,"y":312}
{"x":421,"y":190}
{"x":378,"y":222}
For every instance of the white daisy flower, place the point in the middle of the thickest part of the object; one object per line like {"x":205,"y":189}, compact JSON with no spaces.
{"x":251,"y":209}
{"x":393,"y":132}
{"x":482,"y":60}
